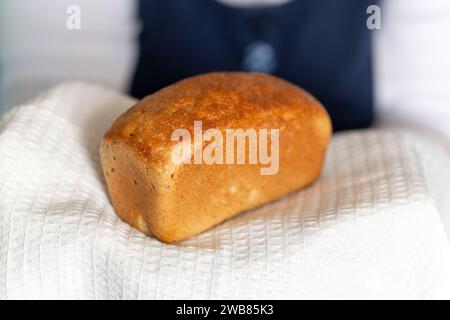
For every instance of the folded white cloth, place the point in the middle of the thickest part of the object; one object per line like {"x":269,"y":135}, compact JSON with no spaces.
{"x":368,"y":228}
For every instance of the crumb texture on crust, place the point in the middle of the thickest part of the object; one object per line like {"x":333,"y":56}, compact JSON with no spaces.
{"x":174,"y":202}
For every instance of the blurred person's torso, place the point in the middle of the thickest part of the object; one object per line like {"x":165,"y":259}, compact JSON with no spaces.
{"x":323,"y":46}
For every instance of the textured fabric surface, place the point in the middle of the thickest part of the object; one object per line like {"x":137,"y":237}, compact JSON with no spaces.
{"x":368,"y":228}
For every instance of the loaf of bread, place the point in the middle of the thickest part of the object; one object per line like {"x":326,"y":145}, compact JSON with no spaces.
{"x":204,"y":149}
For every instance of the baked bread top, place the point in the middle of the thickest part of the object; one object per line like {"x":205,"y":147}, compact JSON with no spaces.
{"x":220,"y":100}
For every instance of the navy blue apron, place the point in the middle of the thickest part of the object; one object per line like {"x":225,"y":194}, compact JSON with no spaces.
{"x":323,"y":46}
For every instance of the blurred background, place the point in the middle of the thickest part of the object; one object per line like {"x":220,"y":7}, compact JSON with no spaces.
{"x":391,"y":71}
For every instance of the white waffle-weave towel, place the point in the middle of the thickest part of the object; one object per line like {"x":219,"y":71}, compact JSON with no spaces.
{"x":368,"y":228}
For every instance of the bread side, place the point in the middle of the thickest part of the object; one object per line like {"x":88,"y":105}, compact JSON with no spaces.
{"x":175,"y":201}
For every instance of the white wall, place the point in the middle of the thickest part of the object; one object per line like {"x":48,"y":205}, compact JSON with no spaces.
{"x":38,"y":51}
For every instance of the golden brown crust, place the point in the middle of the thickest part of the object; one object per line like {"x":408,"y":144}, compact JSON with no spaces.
{"x":174,"y":202}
